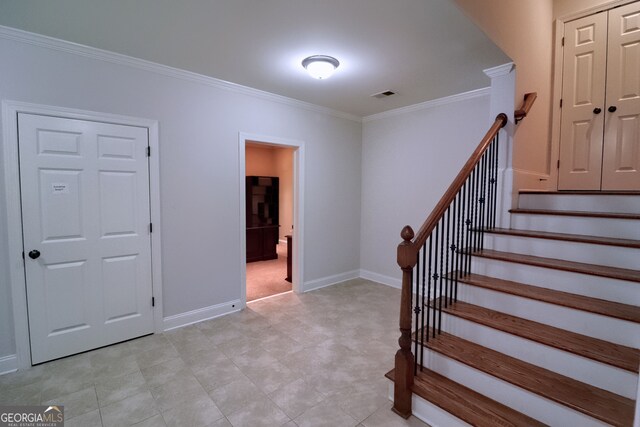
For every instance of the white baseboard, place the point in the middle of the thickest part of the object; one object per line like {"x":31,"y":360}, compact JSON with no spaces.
{"x":200,"y":315}
{"x":8,"y":364}
{"x":381,"y":278}
{"x":330,"y":280}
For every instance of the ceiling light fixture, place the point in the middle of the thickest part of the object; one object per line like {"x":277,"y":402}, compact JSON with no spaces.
{"x":320,"y":66}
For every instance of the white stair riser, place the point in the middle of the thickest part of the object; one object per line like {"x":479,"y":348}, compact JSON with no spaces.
{"x":622,"y":291}
{"x":431,"y":414}
{"x":613,"y":256}
{"x":528,"y":403}
{"x":588,"y":371}
{"x":581,"y":202}
{"x":581,"y":322}
{"x":605,"y":227}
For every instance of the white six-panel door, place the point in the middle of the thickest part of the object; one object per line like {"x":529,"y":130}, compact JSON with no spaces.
{"x":621,"y":156}
{"x":583,"y":95}
{"x":85,"y":207}
{"x":600,"y":126}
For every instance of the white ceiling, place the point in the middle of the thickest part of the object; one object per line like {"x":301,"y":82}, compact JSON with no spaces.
{"x":420,"y":49}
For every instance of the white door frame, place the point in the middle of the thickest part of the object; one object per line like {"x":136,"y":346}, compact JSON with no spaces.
{"x":298,"y":208}
{"x":558,"y":61}
{"x":10,"y":110}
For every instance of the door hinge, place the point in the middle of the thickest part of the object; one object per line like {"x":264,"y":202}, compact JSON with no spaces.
{"x":560,"y":102}
{"x":558,"y":165}
{"x":153,"y":301}
{"x":563,"y":41}
{"x":150,"y":227}
{"x":148,"y":151}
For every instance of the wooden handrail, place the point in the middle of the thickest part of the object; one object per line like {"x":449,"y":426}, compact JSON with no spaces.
{"x":456,"y":185}
{"x":407,"y":259}
{"x":529,"y":99}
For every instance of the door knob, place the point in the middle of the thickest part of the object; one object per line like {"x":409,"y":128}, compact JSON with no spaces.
{"x":597,"y":110}
{"x":34,"y":254}
{"x":613,"y":109}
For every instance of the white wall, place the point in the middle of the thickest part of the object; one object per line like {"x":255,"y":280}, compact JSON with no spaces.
{"x":198,"y":126}
{"x":408,"y":161}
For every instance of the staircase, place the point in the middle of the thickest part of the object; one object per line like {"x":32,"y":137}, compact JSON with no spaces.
{"x":545,"y":326}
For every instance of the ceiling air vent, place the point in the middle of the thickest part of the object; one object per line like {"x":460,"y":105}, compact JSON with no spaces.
{"x":384,"y":94}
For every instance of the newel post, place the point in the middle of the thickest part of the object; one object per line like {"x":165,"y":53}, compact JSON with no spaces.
{"x":404,"y":369}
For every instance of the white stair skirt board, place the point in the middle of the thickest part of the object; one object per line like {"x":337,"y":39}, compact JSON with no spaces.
{"x":612,"y":256}
{"x":605,"y":227}
{"x":621,"y":203}
{"x":616,"y":290}
{"x":581,"y":322}
{"x":585,"y":370}
{"x":528,"y":403}
{"x":431,"y":414}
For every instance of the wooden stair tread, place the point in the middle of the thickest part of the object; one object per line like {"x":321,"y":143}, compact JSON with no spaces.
{"x":615,"y":215}
{"x":592,"y":348}
{"x":595,"y":402}
{"x":559,"y":264}
{"x":565,"y":299}
{"x":598,"y":240}
{"x":464,"y":403}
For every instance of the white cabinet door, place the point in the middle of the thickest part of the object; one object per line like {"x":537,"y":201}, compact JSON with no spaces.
{"x":621,"y":155}
{"x":583,"y":93}
{"x":85,"y":207}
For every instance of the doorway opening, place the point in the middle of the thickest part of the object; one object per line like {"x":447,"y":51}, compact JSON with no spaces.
{"x":271,"y":229}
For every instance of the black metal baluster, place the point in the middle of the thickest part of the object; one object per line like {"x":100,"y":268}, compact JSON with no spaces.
{"x":448,"y":271}
{"x":474,"y":226}
{"x":435,"y":279}
{"x":429,"y":299}
{"x":492,"y":188}
{"x":445,"y":254}
{"x":482,"y":200}
{"x":495,"y":177}
{"x":460,"y":228}
{"x":467,"y":222}
{"x":442,"y":273}
{"x":416,"y":310}
{"x":424,"y":270}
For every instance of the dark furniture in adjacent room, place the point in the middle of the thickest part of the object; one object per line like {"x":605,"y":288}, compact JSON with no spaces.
{"x":262,"y":217}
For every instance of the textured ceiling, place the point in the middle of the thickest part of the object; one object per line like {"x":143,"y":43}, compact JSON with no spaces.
{"x":420,"y":49}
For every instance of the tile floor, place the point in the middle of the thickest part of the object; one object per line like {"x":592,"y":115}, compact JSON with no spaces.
{"x":316,"y":359}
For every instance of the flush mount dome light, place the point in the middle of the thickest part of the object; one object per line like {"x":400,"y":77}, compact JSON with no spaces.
{"x":320,"y":66}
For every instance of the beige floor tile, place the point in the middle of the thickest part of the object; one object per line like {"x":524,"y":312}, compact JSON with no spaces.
{"x":162,"y":373}
{"x":199,"y":412}
{"x":129,"y":411}
{"x":23,"y":377}
{"x":296,"y":397}
{"x":155,"y":421}
{"x":385,"y":417}
{"x":77,"y":403}
{"x":325,"y":414}
{"x":203,"y":359}
{"x":234,"y":395}
{"x":147,"y":343}
{"x":177,"y":391}
{"x":156,"y":356}
{"x":90,"y":419}
{"x":113,"y":389}
{"x":115,"y":368}
{"x":30,"y":394}
{"x":258,"y":413}
{"x":218,"y":374}
{"x":222,"y":422}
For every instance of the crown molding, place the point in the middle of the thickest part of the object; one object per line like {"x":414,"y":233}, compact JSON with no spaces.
{"x":129,"y":61}
{"x":428,"y":104}
{"x":500,"y":70}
